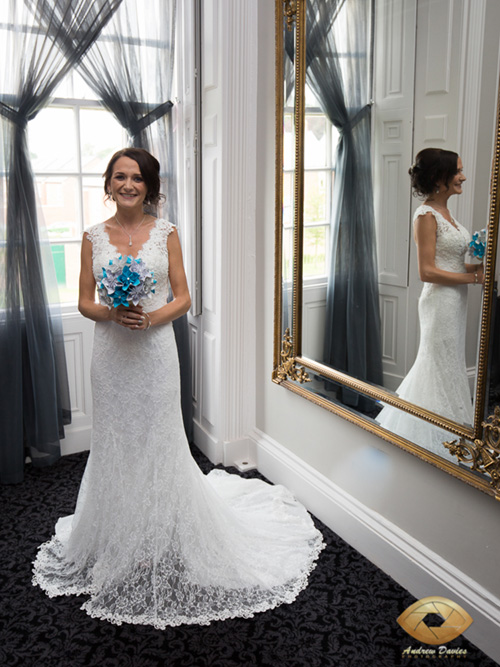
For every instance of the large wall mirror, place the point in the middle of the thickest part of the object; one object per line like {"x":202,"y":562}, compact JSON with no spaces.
{"x":361,"y":87}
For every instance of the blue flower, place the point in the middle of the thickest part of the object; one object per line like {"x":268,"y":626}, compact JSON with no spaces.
{"x":477,"y":246}
{"x":124,"y":281}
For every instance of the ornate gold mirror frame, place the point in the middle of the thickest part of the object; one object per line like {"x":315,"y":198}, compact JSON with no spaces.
{"x":476,"y":449}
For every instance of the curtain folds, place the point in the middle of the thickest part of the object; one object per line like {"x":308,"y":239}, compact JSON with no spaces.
{"x":130,"y":68}
{"x":337,"y":62}
{"x":34,"y":399}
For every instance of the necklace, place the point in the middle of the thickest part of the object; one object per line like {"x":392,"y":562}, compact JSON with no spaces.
{"x":133,"y":231}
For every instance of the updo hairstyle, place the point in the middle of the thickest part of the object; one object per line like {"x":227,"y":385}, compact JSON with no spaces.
{"x":432,"y":166}
{"x":149,"y":168}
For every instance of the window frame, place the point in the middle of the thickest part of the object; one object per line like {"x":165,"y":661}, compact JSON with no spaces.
{"x":329,"y":168}
{"x":76,"y":105}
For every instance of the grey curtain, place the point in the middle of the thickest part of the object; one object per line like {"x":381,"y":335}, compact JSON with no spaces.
{"x":337,"y":61}
{"x":34,"y":398}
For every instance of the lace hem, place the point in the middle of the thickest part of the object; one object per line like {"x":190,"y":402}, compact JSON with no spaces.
{"x":48,"y":552}
{"x":225,"y":603}
{"x":238,"y":609}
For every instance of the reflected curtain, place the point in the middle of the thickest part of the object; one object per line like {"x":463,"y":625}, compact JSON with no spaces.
{"x":34,"y":399}
{"x":337,"y":62}
{"x":130,"y":67}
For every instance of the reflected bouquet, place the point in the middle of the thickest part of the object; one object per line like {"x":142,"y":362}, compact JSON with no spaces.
{"x":478,"y":244}
{"x":125,"y":281}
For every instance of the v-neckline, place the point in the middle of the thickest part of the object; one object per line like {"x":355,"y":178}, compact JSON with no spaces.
{"x":139,"y":252}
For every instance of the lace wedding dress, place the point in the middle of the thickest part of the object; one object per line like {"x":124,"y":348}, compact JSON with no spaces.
{"x":437,"y":380}
{"x":153,"y":540}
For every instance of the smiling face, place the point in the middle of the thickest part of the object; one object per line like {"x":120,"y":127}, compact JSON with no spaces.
{"x":126,"y":185}
{"x":455,"y":183}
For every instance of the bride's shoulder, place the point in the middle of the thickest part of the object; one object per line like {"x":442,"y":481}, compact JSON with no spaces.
{"x":424,"y":209}
{"x":431,"y":218}
{"x":98,"y":232}
{"x":94,"y":232}
{"x":425,"y":214}
{"x":165,"y":225}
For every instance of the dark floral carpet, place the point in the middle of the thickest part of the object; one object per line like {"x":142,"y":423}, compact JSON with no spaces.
{"x":346,"y":617}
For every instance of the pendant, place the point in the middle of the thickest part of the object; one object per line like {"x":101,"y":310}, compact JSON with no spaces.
{"x":130,"y":242}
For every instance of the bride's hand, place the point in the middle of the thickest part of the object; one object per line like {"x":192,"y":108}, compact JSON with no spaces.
{"x":130,"y":317}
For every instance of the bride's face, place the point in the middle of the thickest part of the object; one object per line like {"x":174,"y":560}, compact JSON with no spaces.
{"x":455,"y":184}
{"x":127,"y":185}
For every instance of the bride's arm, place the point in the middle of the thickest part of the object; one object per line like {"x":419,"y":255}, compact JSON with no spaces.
{"x":475,"y":268}
{"x":178,"y":282}
{"x":127,"y":317}
{"x":425,"y":238}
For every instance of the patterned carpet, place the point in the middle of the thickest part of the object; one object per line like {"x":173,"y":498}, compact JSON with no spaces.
{"x":345,"y":618}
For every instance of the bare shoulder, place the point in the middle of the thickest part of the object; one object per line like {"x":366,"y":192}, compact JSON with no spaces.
{"x":426,"y":221}
{"x":173,"y":240}
{"x":425,"y":228}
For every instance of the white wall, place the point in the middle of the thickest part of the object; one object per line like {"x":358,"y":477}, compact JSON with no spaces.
{"x":438,"y":514}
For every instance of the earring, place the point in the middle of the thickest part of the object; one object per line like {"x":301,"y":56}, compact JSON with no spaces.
{"x":437,"y":191}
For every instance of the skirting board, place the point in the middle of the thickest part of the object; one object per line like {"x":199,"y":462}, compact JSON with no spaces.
{"x":415,"y":567}
{"x":207,"y":444}
{"x":239,"y":453}
{"x":76,"y":440}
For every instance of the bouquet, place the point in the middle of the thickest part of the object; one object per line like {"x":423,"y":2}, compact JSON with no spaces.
{"x":125,"y":281}
{"x":478,"y":244}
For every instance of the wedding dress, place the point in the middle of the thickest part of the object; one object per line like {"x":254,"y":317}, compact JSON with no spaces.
{"x":153,"y":540}
{"x":437,"y":380}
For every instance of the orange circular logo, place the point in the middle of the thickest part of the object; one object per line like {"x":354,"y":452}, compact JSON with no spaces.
{"x":455,"y":620}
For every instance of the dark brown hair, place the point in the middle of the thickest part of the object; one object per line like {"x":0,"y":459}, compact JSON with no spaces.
{"x":432,"y":166}
{"x":149,"y":168}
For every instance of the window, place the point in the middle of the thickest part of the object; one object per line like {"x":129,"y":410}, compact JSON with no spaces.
{"x":320,"y":141}
{"x":70,"y":144}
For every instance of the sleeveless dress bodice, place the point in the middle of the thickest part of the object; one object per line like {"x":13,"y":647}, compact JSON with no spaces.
{"x":153,"y":253}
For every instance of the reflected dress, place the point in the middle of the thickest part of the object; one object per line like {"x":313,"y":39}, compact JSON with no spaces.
{"x":438,"y":379}
{"x":153,"y":540}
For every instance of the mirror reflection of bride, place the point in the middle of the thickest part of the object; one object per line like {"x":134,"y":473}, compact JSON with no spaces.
{"x":438,"y":380}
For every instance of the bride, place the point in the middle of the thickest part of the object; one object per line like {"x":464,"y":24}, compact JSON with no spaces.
{"x":438,"y":379}
{"x":153,"y":540}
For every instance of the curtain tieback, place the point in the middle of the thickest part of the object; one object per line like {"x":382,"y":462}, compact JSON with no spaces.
{"x":140,"y":124}
{"x":8,"y":112}
{"x":351,"y":124}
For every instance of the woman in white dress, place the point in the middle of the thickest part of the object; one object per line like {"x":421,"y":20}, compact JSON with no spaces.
{"x":438,"y":380}
{"x":153,"y":540}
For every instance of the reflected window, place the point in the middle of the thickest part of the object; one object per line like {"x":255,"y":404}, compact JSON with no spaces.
{"x":320,"y":142}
